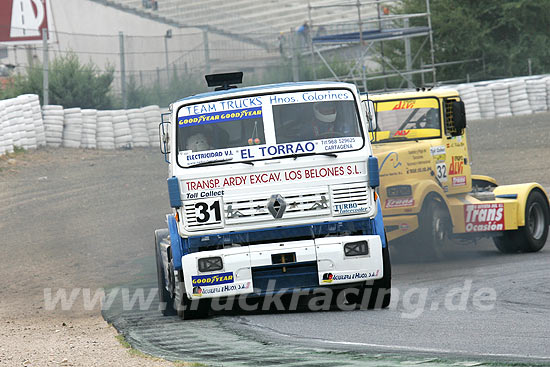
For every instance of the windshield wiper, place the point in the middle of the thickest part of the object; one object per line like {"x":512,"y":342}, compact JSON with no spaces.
{"x":392,"y":139}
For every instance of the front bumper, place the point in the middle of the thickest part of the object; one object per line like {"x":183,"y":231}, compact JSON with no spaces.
{"x":266,"y":268}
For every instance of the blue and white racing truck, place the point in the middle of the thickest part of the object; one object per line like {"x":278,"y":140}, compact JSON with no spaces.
{"x":272,"y":190}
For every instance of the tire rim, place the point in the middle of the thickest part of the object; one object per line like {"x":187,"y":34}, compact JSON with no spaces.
{"x":535,"y":219}
{"x":438,"y":229}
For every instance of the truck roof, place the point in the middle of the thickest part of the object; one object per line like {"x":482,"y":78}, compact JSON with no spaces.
{"x":440,"y":93}
{"x":275,"y":87}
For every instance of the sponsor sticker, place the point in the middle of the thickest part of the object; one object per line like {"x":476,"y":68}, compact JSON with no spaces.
{"x":312,"y":96}
{"x":203,"y":194}
{"x":271,"y":151}
{"x":457,"y":165}
{"x":222,"y":116}
{"x":402,"y":133}
{"x":299,"y":174}
{"x":199,"y":291}
{"x":213,"y":279}
{"x":399,"y":203}
{"x":484,"y":217}
{"x":404,"y":227}
{"x":437,"y":150}
{"x":340,"y":143}
{"x":329,"y":277}
{"x":349,"y":208}
{"x":459,"y":181}
{"x":407,"y":104}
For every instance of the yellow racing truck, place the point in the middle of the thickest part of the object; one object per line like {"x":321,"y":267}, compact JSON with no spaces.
{"x":428,"y":192}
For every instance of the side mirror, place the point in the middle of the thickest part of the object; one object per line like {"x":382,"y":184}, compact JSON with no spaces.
{"x":164,"y":135}
{"x":459,"y":117}
{"x":368,"y":109}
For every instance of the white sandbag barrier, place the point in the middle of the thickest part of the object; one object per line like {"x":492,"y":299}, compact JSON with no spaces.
{"x":468,"y":93}
{"x":25,"y":124}
{"x":486,"y":101}
{"x":537,"y":94}
{"x":519,"y":100}
{"x":72,"y":129}
{"x":506,"y":97}
{"x":152,"y":116}
{"x":138,"y":127}
{"x":121,"y":126}
{"x":89,"y":126}
{"x":501,"y":97}
{"x":53,"y":124}
{"x":21,"y":123}
{"x":105,"y":134}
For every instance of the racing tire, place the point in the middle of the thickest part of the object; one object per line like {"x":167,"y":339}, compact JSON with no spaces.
{"x":531,"y":237}
{"x":186,"y":308}
{"x":434,"y":226}
{"x":165,"y":299}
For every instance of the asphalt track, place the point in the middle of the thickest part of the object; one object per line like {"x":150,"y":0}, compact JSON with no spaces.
{"x":475,"y":307}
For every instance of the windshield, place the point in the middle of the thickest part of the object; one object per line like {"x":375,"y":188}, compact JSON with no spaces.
{"x":268,"y":126}
{"x":407,"y":119}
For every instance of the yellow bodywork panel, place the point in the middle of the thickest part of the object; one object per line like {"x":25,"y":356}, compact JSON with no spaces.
{"x":522,"y":191}
{"x":485,"y":178}
{"x":470,"y":215}
{"x":397,"y":226}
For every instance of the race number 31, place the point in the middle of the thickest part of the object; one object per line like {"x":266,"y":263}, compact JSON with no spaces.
{"x":208,"y":211}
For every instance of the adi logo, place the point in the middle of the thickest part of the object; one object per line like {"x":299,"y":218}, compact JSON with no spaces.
{"x":404,"y":105}
{"x":215,"y":279}
{"x":402,"y":132}
{"x":457,"y":165}
{"x":327,"y":277}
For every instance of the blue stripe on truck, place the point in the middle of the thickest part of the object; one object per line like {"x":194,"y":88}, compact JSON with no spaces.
{"x":175,"y":241}
{"x":174,"y":192}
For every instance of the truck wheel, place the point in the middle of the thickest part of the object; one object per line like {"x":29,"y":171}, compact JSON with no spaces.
{"x":165,"y":300}
{"x":434,"y":227}
{"x":188,"y":309}
{"x":532,"y":236}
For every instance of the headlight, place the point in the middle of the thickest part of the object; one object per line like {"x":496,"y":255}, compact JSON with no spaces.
{"x":399,"y":190}
{"x":207,"y":264}
{"x":356,"y":248}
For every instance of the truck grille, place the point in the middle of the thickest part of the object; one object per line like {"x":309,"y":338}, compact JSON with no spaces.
{"x":354,"y":193}
{"x":316,"y":202}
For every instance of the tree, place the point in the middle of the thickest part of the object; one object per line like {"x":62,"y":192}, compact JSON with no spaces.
{"x":71,"y":84}
{"x":504,"y":33}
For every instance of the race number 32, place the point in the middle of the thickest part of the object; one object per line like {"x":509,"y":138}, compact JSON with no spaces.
{"x":441,"y":169}
{"x":208,"y":211}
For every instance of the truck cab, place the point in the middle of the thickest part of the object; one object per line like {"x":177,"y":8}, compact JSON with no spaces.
{"x":272,"y":189}
{"x":428,"y":192}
